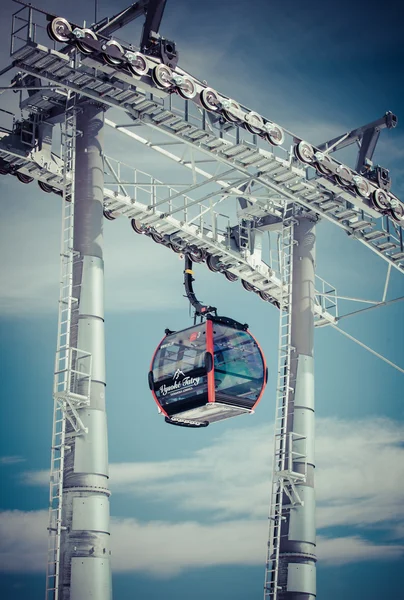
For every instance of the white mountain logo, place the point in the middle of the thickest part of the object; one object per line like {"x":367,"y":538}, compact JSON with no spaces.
{"x":178,"y":374}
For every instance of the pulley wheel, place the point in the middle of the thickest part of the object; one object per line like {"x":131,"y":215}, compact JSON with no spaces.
{"x":230,"y":276}
{"x":137,"y":63}
{"x":45,"y":187}
{"x":361,"y":186}
{"x":112,"y":60}
{"x":209,"y":99}
{"x":275,"y":135}
{"x":175,"y":248}
{"x":162,"y":76}
{"x":396,"y":211}
{"x":108,"y":215}
{"x":231,"y":107}
{"x":137,"y":226}
{"x":59,"y":30}
{"x":304,"y":152}
{"x":24,"y":178}
{"x":323,"y":166}
{"x":80,"y":43}
{"x":264,"y":296}
{"x":254,"y":123}
{"x":343,"y":176}
{"x":213,"y":263}
{"x":380,"y":200}
{"x":187,"y":89}
{"x":195,"y":254}
{"x":156,"y":237}
{"x":247,"y":286}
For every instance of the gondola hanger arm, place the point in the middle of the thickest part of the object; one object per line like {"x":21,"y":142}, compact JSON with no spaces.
{"x":201,"y":310}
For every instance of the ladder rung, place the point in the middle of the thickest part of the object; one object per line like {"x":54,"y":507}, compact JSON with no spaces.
{"x":345,"y":214}
{"x":374,"y":235}
{"x":360,"y":225}
{"x":385,"y":246}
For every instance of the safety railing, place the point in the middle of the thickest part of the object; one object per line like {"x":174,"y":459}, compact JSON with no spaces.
{"x":149,"y":191}
{"x":29,"y":24}
{"x":326,"y":296}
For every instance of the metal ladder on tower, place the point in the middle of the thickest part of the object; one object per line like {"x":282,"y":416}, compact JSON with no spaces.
{"x":244,"y":234}
{"x":68,"y":374}
{"x":284,"y":478}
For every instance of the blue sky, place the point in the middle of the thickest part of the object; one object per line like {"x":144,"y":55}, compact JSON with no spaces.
{"x":198,"y":500}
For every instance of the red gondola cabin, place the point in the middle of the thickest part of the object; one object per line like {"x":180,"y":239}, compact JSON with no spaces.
{"x":207,"y":373}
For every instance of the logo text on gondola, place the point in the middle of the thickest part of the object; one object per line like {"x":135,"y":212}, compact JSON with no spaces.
{"x":179,"y":385}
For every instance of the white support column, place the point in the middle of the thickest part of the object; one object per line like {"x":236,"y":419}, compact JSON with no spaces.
{"x":85,"y":542}
{"x":290,"y":567}
{"x":297,"y":558}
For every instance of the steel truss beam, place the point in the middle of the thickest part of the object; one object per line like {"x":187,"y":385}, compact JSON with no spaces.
{"x":194,"y":232}
{"x":282,"y":180}
{"x":187,"y":124}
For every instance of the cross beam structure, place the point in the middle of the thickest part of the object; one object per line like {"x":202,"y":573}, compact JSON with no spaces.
{"x":274,"y":170}
{"x":201,"y":233}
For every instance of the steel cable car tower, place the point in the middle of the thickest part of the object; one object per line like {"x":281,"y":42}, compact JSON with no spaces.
{"x":282,"y":185}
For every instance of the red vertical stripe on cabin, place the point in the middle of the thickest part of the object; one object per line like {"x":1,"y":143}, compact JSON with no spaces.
{"x":264,"y":367}
{"x":209,"y":348}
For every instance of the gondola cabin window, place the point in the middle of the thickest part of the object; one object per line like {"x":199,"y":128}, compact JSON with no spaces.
{"x":238,"y":366}
{"x":179,"y":371}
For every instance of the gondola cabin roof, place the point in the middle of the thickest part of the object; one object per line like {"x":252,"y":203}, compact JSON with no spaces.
{"x":207,"y":373}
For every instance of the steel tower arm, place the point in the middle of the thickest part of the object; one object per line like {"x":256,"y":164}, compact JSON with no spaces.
{"x":367,"y":147}
{"x":154,"y":15}
{"x":110,"y":24}
{"x":367,"y":136}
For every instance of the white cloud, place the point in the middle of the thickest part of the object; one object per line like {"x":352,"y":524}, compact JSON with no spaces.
{"x":11,"y":460}
{"x":185,"y":545}
{"x":359,"y":475}
{"x":35,"y":477}
{"x":240,"y":542}
{"x":179,"y":546}
{"x":23,"y":541}
{"x":344,"y":550}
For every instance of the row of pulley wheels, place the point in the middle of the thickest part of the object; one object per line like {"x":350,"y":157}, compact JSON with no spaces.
{"x":60,"y":30}
{"x":45,"y":187}
{"x":323,"y":164}
{"x":197,"y":255}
